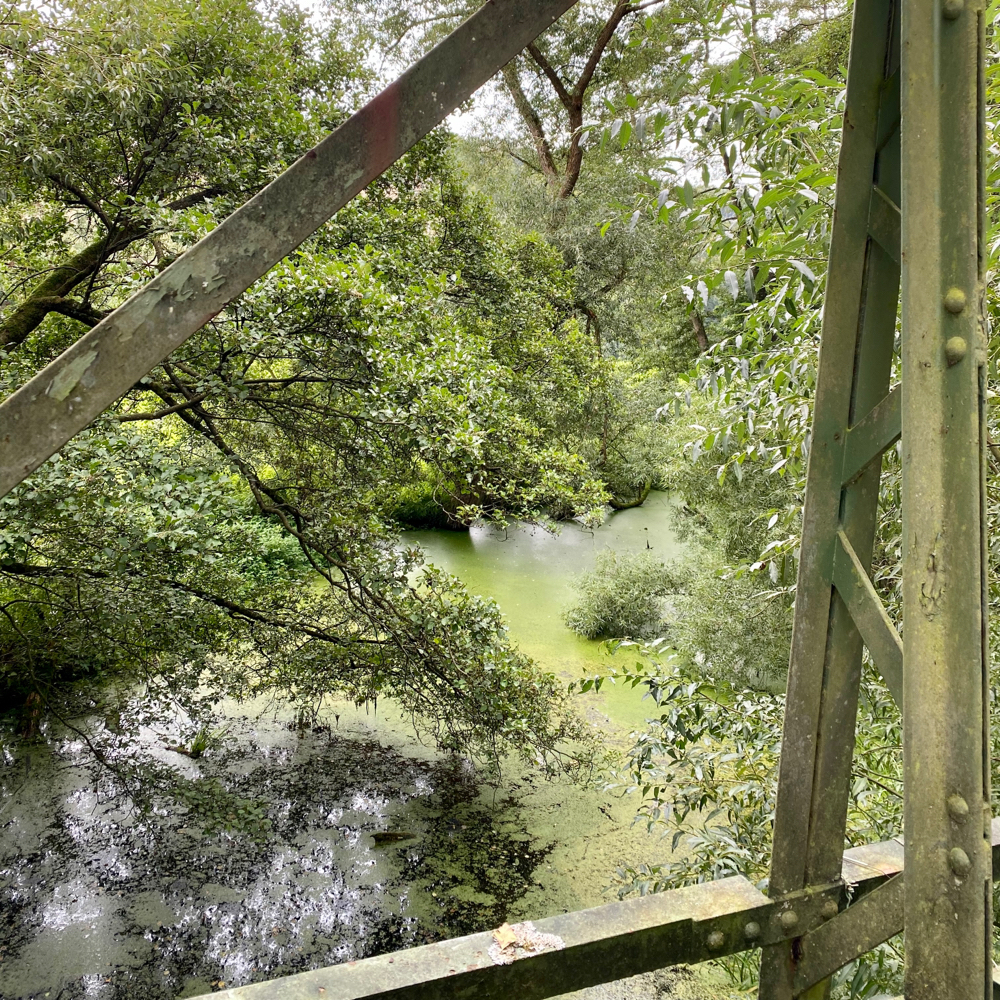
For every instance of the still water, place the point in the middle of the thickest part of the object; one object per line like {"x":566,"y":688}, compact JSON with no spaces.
{"x":531,"y":574}
{"x":378,"y":841}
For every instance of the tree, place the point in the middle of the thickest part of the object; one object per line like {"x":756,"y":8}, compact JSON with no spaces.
{"x":119,"y":116}
{"x":234,"y":510}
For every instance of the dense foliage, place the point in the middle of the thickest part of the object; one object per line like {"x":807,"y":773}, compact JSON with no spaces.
{"x":622,"y":596}
{"x":232,"y":521}
{"x":612,"y":281}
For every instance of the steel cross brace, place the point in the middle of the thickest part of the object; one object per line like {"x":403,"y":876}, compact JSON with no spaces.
{"x":910,"y":193}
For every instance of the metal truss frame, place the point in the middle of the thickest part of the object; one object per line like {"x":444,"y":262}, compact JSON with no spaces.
{"x":909,"y":215}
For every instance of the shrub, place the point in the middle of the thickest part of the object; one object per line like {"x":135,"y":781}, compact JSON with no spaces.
{"x":622,"y":597}
{"x":732,"y":626}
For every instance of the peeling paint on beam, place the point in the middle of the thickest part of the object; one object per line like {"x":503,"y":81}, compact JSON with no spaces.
{"x":38,"y":419}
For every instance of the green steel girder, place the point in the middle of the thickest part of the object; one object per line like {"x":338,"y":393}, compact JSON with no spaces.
{"x":946,"y":755}
{"x":623,"y":939}
{"x":909,"y":205}
{"x":834,"y":598}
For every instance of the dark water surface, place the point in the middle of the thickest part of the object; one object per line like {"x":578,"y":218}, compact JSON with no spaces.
{"x":377,"y":842}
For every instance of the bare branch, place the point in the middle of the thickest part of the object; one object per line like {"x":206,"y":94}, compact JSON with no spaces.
{"x":621,"y":11}
{"x":166,"y":411}
{"x":83,"y":198}
{"x":549,"y":70}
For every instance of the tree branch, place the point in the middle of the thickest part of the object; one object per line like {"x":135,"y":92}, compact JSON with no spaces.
{"x":603,"y":40}
{"x":59,"y":282}
{"x":196,"y":196}
{"x":74,"y":308}
{"x":521,"y":159}
{"x":83,"y":198}
{"x":166,"y":411}
{"x":533,"y":122}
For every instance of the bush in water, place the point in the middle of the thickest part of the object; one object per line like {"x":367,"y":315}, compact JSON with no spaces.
{"x":622,"y":597}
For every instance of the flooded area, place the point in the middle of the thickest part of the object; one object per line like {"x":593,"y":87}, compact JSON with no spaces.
{"x":361,"y":839}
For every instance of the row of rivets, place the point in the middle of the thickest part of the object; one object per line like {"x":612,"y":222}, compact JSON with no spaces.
{"x":954,"y":299}
{"x":789,"y":920}
{"x":958,"y":810}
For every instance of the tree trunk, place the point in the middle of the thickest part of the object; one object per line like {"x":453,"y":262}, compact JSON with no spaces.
{"x":49,"y":294}
{"x":637,"y":502}
{"x":699,"y":331}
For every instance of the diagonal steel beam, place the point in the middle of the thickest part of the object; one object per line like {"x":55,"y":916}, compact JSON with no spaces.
{"x":38,"y":419}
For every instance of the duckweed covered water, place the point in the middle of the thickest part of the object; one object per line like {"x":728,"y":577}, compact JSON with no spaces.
{"x":377,"y":842}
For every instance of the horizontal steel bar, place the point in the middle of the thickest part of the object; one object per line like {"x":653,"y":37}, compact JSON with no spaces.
{"x":38,"y":419}
{"x":869,"y":614}
{"x":594,"y":946}
{"x":884,"y":223}
{"x":574,"y":950}
{"x":870,"y":865}
{"x":871,"y":435}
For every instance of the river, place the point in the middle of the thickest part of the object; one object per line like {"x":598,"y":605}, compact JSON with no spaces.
{"x":378,"y":842}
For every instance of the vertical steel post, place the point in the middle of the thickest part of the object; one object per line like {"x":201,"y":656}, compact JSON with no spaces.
{"x":948,"y":902}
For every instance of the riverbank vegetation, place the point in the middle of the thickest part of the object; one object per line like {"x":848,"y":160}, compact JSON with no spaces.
{"x":607,"y":278}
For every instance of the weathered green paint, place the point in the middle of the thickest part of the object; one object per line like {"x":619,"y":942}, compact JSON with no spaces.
{"x":69,"y":393}
{"x":853,"y":380}
{"x":945,"y":746}
{"x":873,"y":919}
{"x":873,"y":434}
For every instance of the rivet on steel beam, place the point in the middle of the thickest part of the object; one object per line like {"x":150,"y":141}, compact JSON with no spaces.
{"x":952,"y":8}
{"x":789,"y":919}
{"x":958,"y":808}
{"x":959,"y":862}
{"x":830,"y":909}
{"x":752,"y":931}
{"x":955,"y":350}
{"x":715,"y":940}
{"x":954,"y":300}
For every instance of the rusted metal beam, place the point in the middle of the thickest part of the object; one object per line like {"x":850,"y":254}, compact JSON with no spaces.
{"x":946,"y":745}
{"x":608,"y":943}
{"x":38,"y":419}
